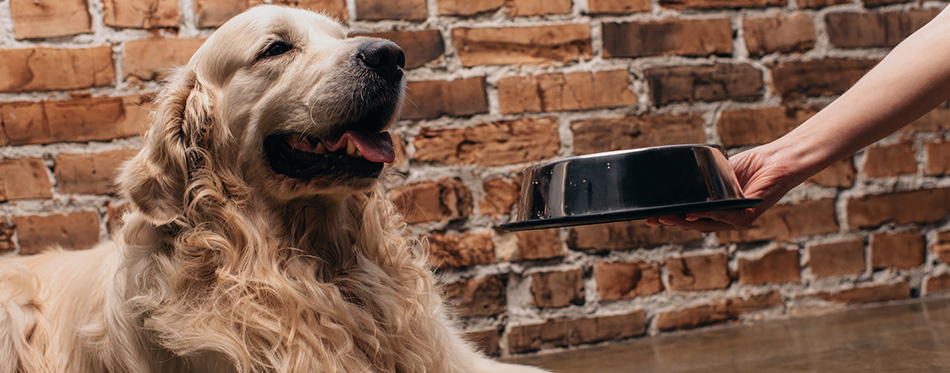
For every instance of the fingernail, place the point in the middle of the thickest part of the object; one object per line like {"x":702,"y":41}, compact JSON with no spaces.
{"x":691,"y":218}
{"x":665,"y":221}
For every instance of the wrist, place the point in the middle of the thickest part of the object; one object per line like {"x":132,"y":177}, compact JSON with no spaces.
{"x":798,"y":158}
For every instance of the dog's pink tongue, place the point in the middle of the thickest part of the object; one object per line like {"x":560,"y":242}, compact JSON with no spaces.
{"x":375,"y":148}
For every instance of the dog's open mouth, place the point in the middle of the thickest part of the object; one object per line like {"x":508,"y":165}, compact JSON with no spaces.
{"x":354,"y":154}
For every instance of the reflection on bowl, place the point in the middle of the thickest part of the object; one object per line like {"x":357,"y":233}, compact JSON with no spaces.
{"x":627,"y":185}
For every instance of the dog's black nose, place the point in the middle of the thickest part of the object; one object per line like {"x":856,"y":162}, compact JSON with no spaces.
{"x":384,"y":57}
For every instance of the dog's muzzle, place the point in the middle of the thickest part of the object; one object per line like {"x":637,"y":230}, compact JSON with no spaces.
{"x":356,"y":145}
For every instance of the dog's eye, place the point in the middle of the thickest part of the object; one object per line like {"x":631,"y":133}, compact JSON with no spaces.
{"x":276,"y":48}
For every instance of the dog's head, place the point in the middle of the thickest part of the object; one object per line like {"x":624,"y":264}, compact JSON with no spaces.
{"x":278,"y":101}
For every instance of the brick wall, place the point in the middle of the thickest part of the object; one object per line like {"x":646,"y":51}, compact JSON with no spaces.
{"x":496,"y":85}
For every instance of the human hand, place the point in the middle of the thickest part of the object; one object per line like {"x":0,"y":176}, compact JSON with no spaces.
{"x":758,"y":176}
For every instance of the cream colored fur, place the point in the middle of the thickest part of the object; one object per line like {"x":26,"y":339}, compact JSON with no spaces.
{"x":223,"y":265}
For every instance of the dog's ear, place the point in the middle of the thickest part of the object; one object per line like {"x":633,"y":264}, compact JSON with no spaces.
{"x":156,"y":179}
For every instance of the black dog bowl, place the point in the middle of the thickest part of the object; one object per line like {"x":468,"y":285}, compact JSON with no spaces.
{"x":628,"y":185}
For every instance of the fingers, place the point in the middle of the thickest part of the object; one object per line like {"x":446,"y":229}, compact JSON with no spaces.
{"x":737,"y":219}
{"x":703,"y":225}
{"x":708,"y":221}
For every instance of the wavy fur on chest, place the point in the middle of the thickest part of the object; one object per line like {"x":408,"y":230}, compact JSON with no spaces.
{"x":349,"y":293}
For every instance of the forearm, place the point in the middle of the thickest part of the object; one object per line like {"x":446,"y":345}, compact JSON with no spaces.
{"x":910,"y":81}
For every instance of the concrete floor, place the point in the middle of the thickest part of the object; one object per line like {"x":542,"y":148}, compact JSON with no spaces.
{"x":911,"y":337}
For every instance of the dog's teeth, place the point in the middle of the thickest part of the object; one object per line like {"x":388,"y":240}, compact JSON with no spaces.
{"x":350,"y":149}
{"x":358,"y":154}
{"x":305,"y":141}
{"x":320,"y":148}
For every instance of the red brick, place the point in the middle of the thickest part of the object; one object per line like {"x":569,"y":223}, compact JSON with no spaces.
{"x":937,"y":283}
{"x":486,"y":341}
{"x":874,"y":30}
{"x":528,"y":338}
{"x":141,"y":13}
{"x":491,"y":144}
{"x":617,"y":6}
{"x":213,"y":13}
{"x":779,"y":34}
{"x":745,"y":127}
{"x":24,"y":178}
{"x":539,"y":244}
{"x":523,"y":8}
{"x":891,"y":160}
{"x":840,"y":174}
{"x":421,"y":47}
{"x":485,"y":296}
{"x":784,"y":222}
{"x":36,"y":19}
{"x":557,"y":289}
{"x":738,"y":306}
{"x":151,"y":59}
{"x":333,"y":8}
{"x":78,"y":230}
{"x":883,"y":2}
{"x":6,"y":236}
{"x":814,"y":4}
{"x":701,"y":37}
{"x":401,"y":162}
{"x":938,"y":158}
{"x":709,"y":4}
{"x":607,"y":328}
{"x":902,"y":250}
{"x":717,"y":311}
{"x":522,"y":45}
{"x":692,"y":317}
{"x":500,"y":196}
{"x":706,"y":83}
{"x":47,"y":69}
{"x":468,"y":7}
{"x":942,"y":248}
{"x":837,"y":258}
{"x":432,"y":99}
{"x":919,"y":206}
{"x":627,"y":280}
{"x":826,"y":77}
{"x":443,"y":200}
{"x":115,"y":213}
{"x":698,"y":272}
{"x":942,"y":251}
{"x":627,"y":235}
{"x":562,"y":92}
{"x":85,"y":119}
{"x":607,"y":134}
{"x":92,"y":173}
{"x":937,"y":120}
{"x":870,"y":293}
{"x":774,"y":267}
{"x":466,"y":249}
{"x":411,"y":10}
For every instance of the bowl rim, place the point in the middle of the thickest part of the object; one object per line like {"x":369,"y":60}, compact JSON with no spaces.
{"x":630,"y":214}
{"x":624,"y":152}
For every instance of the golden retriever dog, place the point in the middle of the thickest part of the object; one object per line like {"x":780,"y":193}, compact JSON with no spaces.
{"x":258,"y":238}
